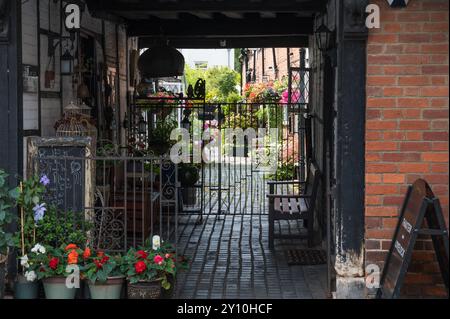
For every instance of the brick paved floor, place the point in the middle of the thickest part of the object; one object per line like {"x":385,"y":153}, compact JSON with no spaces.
{"x":230,"y":257}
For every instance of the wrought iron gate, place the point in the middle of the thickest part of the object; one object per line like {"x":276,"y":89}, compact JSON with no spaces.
{"x":244,"y":145}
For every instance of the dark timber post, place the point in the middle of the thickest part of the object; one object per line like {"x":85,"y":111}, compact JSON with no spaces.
{"x":350,"y":148}
{"x":10,"y":91}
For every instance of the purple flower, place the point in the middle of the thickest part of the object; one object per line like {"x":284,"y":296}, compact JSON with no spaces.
{"x":39,"y":212}
{"x":44,"y":180}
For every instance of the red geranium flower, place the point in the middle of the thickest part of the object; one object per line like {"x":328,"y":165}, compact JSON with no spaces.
{"x":98,"y":264}
{"x":71,"y":247}
{"x":142,"y":254}
{"x":87,"y":253}
{"x":100,"y":254}
{"x":104,"y":259}
{"x":158,"y":260}
{"x":140,"y":267}
{"x":53,"y":264}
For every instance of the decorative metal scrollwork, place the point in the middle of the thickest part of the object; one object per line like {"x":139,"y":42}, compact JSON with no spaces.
{"x":198,"y":92}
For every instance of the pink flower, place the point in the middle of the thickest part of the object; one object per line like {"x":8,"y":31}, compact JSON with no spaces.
{"x":158,"y":260}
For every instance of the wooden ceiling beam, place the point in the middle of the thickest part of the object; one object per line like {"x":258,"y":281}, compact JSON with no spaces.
{"x":230,"y":43}
{"x":208,"y":6}
{"x":225,"y":27}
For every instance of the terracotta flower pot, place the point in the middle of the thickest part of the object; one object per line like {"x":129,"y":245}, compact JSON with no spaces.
{"x":144,"y":290}
{"x":111,"y":289}
{"x":55,"y":288}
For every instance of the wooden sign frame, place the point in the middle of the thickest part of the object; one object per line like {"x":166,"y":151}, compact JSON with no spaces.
{"x":420,"y":204}
{"x":35,"y":143}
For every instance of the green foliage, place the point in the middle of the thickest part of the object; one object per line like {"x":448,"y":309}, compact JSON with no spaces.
{"x":99,"y":267}
{"x":55,"y":261}
{"x":285,"y":172}
{"x":59,"y":228}
{"x":30,"y":196}
{"x":159,"y":137}
{"x":161,"y":133}
{"x":240,"y":120}
{"x":234,"y":98}
{"x":147,"y":264}
{"x":7,"y":203}
{"x":221,"y":82}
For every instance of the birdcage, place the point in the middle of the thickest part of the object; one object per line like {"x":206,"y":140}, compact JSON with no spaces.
{"x":76,"y":122}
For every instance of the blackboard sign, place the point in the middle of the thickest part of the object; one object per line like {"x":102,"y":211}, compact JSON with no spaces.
{"x":64,"y":162}
{"x":420,"y":205}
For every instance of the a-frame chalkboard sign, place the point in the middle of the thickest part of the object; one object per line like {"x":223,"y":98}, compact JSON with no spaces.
{"x":420,"y":205}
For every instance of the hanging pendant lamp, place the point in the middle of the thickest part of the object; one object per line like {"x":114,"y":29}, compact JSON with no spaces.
{"x":161,"y":61}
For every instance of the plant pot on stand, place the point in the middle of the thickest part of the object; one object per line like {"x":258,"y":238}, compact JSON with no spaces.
{"x":111,"y":289}
{"x":55,"y":288}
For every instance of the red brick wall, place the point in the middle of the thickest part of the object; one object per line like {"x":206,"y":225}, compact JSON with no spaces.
{"x":407,"y":126}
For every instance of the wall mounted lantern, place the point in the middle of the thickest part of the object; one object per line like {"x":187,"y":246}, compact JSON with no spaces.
{"x":66,"y":63}
{"x":323,"y":38}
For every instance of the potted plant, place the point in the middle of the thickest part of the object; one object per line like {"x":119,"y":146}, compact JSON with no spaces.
{"x":102,"y":272}
{"x":26,"y":285}
{"x":54,"y":269}
{"x":32,"y":211}
{"x":7,"y":202}
{"x":152,"y":269}
{"x":147,"y":272}
{"x":188,"y":176}
{"x":159,"y":137}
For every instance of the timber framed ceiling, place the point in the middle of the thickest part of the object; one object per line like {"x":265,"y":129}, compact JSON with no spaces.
{"x":214,"y":23}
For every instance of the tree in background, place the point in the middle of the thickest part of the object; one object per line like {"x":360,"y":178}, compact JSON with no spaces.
{"x":221,"y":82}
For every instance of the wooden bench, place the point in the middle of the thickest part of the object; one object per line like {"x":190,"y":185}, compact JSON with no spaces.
{"x":284,"y":206}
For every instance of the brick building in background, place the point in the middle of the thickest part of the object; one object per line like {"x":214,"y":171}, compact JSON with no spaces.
{"x":407,"y":127}
{"x":266,"y":64}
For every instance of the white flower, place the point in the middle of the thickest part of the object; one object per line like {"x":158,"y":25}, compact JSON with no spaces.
{"x":30,"y":275}
{"x":24,"y":262}
{"x":156,"y":242}
{"x":38,"y":249}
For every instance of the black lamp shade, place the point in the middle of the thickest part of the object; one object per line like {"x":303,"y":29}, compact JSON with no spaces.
{"x":162,"y":61}
{"x":323,"y":38}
